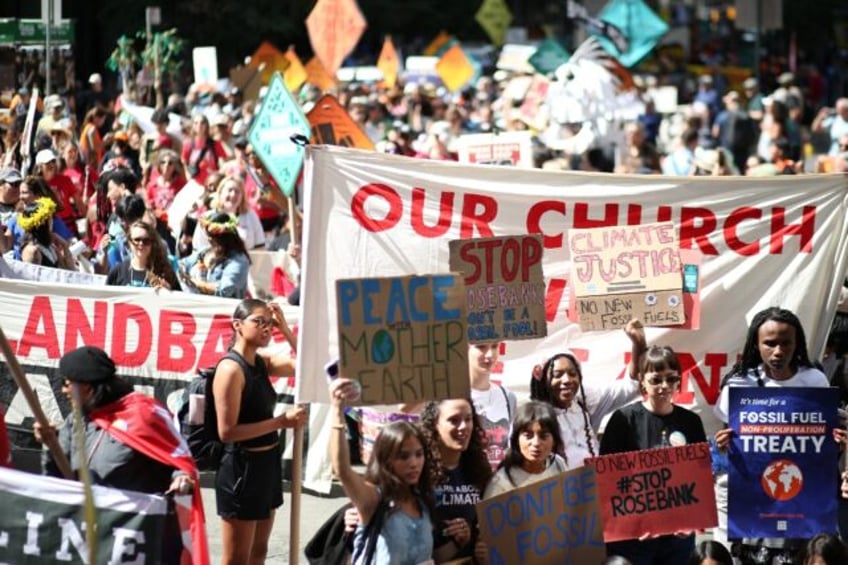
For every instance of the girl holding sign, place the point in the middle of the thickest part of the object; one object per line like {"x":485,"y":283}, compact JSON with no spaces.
{"x":559,"y":382}
{"x":654,"y":422}
{"x":393,"y":498}
{"x":459,"y":474}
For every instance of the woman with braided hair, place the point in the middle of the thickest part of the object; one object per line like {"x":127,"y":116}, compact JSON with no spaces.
{"x":559,"y":382}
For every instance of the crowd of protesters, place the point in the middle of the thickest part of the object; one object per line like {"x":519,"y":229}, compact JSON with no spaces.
{"x":99,"y":193}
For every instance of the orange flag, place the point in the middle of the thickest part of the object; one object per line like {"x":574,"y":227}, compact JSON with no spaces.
{"x":273,"y":58}
{"x":388,"y":62}
{"x":335,"y":27}
{"x":295,"y":75}
{"x":317,"y":75}
{"x":454,"y":68}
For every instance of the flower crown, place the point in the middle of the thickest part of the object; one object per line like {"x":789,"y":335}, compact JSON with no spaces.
{"x":219,"y":228}
{"x":45,"y":208}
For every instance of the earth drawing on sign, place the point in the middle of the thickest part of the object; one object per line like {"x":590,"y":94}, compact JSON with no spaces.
{"x":782,"y":480}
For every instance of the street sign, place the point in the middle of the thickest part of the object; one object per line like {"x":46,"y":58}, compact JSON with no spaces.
{"x":280,"y":118}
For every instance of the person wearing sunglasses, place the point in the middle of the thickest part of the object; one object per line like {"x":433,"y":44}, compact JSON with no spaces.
{"x":655,"y":422}
{"x":148,"y":265}
{"x":166,"y":180}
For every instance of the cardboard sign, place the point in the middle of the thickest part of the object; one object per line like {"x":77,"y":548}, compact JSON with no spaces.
{"x":332,"y":125}
{"x":550,"y":522}
{"x":438,"y":42}
{"x":783,"y":475}
{"x":404,"y":338}
{"x":494,"y":17}
{"x":532,"y":111}
{"x":279,"y":118}
{"x":247,"y":79}
{"x":317,"y":75}
{"x":389,"y":63}
{"x":515,"y":57}
{"x":549,"y":56}
{"x":626,"y":272}
{"x":513,"y":149}
{"x":335,"y":27}
{"x":504,"y":285}
{"x":295,"y":74}
{"x":270,"y":60}
{"x":655,"y":491}
{"x":454,"y":68}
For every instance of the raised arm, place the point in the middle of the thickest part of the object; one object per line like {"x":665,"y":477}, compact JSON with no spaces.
{"x":363,"y":494}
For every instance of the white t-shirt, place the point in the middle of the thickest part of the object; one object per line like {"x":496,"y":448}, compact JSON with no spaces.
{"x":600,"y":401}
{"x":804,"y":377}
{"x":495,"y":407}
{"x":500,"y":483}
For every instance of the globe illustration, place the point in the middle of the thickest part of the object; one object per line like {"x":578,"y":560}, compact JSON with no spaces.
{"x":382,"y":347}
{"x":782,"y":480}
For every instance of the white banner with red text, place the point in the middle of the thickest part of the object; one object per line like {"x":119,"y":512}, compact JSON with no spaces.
{"x":765,"y":242}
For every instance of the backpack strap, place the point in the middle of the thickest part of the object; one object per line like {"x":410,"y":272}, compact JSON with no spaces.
{"x":508,"y":405}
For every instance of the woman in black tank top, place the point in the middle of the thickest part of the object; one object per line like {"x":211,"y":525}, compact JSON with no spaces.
{"x":248,"y":485}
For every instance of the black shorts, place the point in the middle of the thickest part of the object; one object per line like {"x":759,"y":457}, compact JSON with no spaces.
{"x":249,"y":484}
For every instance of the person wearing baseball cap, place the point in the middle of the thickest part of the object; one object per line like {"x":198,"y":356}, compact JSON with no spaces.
{"x":10,"y":182}
{"x":129,"y":441}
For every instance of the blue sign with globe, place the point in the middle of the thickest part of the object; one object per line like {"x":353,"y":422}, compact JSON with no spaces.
{"x":783,"y":474}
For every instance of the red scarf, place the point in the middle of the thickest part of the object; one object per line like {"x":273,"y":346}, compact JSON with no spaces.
{"x":142,"y":423}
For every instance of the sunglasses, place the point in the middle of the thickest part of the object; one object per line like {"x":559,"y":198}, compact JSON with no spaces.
{"x":167,"y":162}
{"x":670,"y":381}
{"x":140,"y":240}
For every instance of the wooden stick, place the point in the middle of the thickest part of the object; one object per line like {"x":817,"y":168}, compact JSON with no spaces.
{"x":47,"y":435}
{"x":297,"y":480}
{"x":292,"y":220}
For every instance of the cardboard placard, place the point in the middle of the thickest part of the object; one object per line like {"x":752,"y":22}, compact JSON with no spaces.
{"x":532,"y":111}
{"x":295,"y":74}
{"x":625,"y":272}
{"x":404,"y":338}
{"x":504,"y":285}
{"x":388,"y":62}
{"x":269,"y":59}
{"x":553,"y":521}
{"x":782,"y":475}
{"x":205,"y":63}
{"x":335,"y":27}
{"x":655,"y":491}
{"x":514,"y":149}
{"x":494,"y":17}
{"x":317,"y":75}
{"x":332,"y":125}
{"x":454,"y":68}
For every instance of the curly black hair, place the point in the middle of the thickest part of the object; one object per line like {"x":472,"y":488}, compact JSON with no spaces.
{"x":540,"y":389}
{"x":473,"y":460}
{"x":751,"y":359}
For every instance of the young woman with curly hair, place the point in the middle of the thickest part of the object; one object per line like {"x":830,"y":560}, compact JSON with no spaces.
{"x":459,"y":474}
{"x":148,"y":264}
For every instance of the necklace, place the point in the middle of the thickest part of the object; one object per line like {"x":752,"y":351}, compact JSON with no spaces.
{"x":138,"y":277}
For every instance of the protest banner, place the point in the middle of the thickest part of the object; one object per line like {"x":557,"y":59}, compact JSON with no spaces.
{"x":759,"y":243}
{"x":454,"y":68}
{"x":655,"y":491}
{"x":42,"y":522}
{"x":783,"y":475}
{"x":334,"y":27}
{"x":268,"y":60}
{"x":554,"y":521}
{"x":626,"y":272}
{"x":504,"y":285}
{"x":404,"y":338}
{"x":295,"y":74}
{"x":157,"y":339}
{"x":389,"y":63}
{"x":332,"y":125}
{"x":512,"y":149}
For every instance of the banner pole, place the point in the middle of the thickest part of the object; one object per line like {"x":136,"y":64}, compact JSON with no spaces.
{"x":292,"y":213}
{"x":47,"y":434}
{"x":297,"y":481}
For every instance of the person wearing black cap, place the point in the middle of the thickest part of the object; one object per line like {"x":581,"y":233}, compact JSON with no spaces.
{"x":143,"y":453}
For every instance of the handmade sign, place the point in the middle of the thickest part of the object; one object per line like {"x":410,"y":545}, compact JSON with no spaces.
{"x":626,"y":272}
{"x":335,"y":27}
{"x":332,"y":125}
{"x":279,"y":119}
{"x":494,"y":17}
{"x":269,"y":60}
{"x":783,"y":473}
{"x":554,"y":521}
{"x":532,"y":110}
{"x":295,"y":74}
{"x":504,"y":285}
{"x":388,"y":62}
{"x":455,"y":68}
{"x":404,"y":338}
{"x":655,"y":491}
{"x":318,"y":76}
{"x":513,"y":149}
{"x":205,"y":63}
{"x":42,"y":522}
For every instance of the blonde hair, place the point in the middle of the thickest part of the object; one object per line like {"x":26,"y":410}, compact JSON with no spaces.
{"x":243,"y":205}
